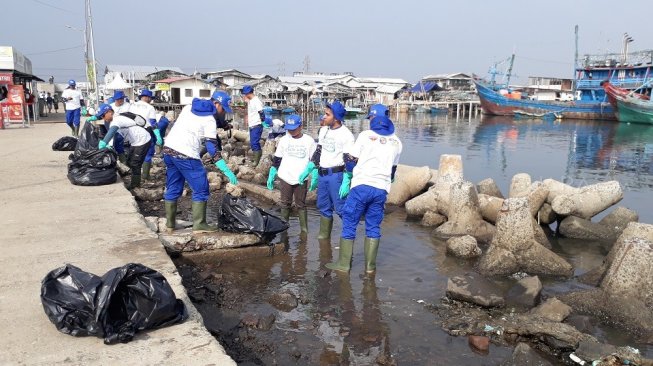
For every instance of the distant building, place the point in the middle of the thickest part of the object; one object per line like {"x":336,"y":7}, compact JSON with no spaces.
{"x":230,"y":77}
{"x":549,"y":88}
{"x":140,"y":75}
{"x":451,"y":82}
{"x":182,"y":90}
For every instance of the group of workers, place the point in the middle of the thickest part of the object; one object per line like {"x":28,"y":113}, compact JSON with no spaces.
{"x":352,"y":176}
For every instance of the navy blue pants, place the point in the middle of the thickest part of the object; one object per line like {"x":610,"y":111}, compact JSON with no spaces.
{"x":72,"y":117}
{"x":179,"y":171}
{"x":255,"y":137}
{"x":363,"y":200}
{"x":328,"y":194}
{"x":163,"y":126}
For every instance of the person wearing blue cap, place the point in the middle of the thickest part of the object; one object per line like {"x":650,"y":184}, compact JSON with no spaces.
{"x":371,"y":163}
{"x":194,"y":127}
{"x":294,"y":151}
{"x":254,"y":120}
{"x":131,"y":127}
{"x":73,"y":101}
{"x":222,"y":101}
{"x":119,"y":106}
{"x":333,"y":140}
{"x":144,"y":108}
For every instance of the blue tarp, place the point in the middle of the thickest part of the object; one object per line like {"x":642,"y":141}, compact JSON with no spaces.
{"x":425,"y":87}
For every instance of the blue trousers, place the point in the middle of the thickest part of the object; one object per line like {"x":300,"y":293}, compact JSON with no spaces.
{"x":162,"y":126}
{"x":72,"y":117}
{"x":179,"y":171}
{"x":363,"y":200}
{"x":328,"y":196}
{"x":255,"y":137}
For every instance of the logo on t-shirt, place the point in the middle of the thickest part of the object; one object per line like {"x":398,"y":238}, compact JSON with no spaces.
{"x":297,"y":151}
{"x":329,"y":145}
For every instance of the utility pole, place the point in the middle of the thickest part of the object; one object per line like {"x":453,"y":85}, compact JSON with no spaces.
{"x":573,"y":79}
{"x":89,"y":27}
{"x":307,"y":64}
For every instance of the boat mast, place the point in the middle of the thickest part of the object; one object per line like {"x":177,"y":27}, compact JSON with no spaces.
{"x":573,"y":80}
{"x":509,"y":73}
{"x":89,"y":26}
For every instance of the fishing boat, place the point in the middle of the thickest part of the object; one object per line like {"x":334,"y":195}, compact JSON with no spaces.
{"x":630,"y":107}
{"x":613,"y":92}
{"x":353,"y":111}
{"x":420,"y":110}
{"x":438,"y":110}
{"x":288,"y":110}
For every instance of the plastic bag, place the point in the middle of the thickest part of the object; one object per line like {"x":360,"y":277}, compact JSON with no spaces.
{"x":124,"y":301}
{"x":66,"y":143}
{"x":241,"y":216}
{"x":91,"y":166}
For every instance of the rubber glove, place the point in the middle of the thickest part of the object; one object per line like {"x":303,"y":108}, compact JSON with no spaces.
{"x":309,"y":169}
{"x":344,"y":187}
{"x":91,"y":119}
{"x":83,"y":111}
{"x":222,"y":165}
{"x":314,"y":177}
{"x":159,"y":140}
{"x":101,"y":145}
{"x":271,"y":176}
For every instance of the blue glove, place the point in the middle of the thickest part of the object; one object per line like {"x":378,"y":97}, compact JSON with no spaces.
{"x":91,"y":119}
{"x":309,"y":169}
{"x":314,"y":177}
{"x":344,"y":187}
{"x":222,"y":165}
{"x":101,"y":145}
{"x":271,"y":176}
{"x":159,"y":140}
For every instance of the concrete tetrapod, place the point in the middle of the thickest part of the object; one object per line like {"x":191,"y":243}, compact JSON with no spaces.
{"x":557,"y":188}
{"x":409,"y":181}
{"x":465,"y":216}
{"x":489,"y":187}
{"x":519,"y":185}
{"x":437,"y":197}
{"x":514,"y":247}
{"x":589,"y":200}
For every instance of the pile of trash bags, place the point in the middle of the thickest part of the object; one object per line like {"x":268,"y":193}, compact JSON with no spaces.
{"x":239,"y":215}
{"x":66,"y":143}
{"x":89,"y":165}
{"x":124,"y":301}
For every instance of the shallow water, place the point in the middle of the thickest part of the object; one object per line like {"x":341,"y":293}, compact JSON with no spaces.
{"x":387,"y":314}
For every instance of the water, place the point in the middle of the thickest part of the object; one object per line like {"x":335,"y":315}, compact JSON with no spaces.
{"x":387,"y":315}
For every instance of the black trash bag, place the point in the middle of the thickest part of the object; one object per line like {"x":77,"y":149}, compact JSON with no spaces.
{"x":90,"y":166}
{"x":89,"y":138}
{"x":68,"y":298}
{"x":135,"y":298}
{"x":241,"y":216}
{"x":66,"y":143}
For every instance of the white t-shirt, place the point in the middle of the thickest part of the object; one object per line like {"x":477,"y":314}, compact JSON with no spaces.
{"x":75,"y":102}
{"x":143,"y":109}
{"x":188,"y":131}
{"x":376,"y":155}
{"x":253,"y":107}
{"x":334,"y":143}
{"x":295,"y":154}
{"x":130,"y":131}
{"x":122,"y":109}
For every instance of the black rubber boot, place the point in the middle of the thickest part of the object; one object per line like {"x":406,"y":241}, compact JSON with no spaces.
{"x":171,"y":215}
{"x":135,"y":182}
{"x":371,"y":249}
{"x":199,"y":218}
{"x":326,"y":224}
{"x":256,"y":157}
{"x":122,"y":158}
{"x":146,"y":170}
{"x":76,"y":131}
{"x":344,"y":256}
{"x":303,"y":220}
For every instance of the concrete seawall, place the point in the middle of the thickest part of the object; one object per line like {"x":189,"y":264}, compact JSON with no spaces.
{"x":47,"y":222}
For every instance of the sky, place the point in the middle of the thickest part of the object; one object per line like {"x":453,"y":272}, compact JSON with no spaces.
{"x":401,"y":39}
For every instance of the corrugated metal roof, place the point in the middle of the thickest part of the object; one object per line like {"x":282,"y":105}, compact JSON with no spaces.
{"x":139,"y":72}
{"x":172,"y":80}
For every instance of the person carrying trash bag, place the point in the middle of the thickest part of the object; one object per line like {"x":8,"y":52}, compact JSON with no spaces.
{"x":131,"y":127}
{"x":181,"y":153}
{"x":294,"y":151}
{"x":370,"y":168}
{"x":333,"y":140}
{"x":118,"y":105}
{"x":73,"y":101}
{"x":143,"y":108}
{"x":255,"y":118}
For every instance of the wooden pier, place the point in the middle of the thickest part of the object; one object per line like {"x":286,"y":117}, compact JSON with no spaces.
{"x":459,"y":108}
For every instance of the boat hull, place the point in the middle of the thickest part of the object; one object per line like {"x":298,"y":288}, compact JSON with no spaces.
{"x":496,"y":104}
{"x":633,"y":110}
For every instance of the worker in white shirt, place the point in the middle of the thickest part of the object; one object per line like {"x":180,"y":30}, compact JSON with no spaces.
{"x":333,"y":140}
{"x":132,"y":129}
{"x":194,"y":127}
{"x":294,"y":151}
{"x":370,"y":168}
{"x":255,"y":118}
{"x":119,"y":106}
{"x":74,"y":100}
{"x":143,"y":108}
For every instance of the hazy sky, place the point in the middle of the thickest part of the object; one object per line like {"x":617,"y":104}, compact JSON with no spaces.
{"x":405,"y":39}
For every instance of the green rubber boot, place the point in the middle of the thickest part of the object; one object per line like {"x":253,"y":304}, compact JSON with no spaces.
{"x":256,"y":157}
{"x":199,"y":218}
{"x":326,"y":224}
{"x":122,"y":158}
{"x":285,"y":214}
{"x":76,"y":131}
{"x":371,"y":249}
{"x":171,"y":215}
{"x":303,"y":220}
{"x":146,"y":170}
{"x":344,"y":257}
{"x":135,"y":182}
{"x":72,"y":131}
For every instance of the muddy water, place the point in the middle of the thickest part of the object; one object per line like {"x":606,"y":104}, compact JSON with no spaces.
{"x":385,"y":319}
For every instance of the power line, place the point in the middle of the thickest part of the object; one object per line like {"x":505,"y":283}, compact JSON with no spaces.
{"x":53,"y":51}
{"x":52,"y":6}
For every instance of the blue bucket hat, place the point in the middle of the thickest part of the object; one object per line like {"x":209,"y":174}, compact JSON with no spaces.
{"x":382,"y":125}
{"x":146,"y":93}
{"x":247,"y":89}
{"x":118,"y":94}
{"x":377,"y":110}
{"x":71,"y":82}
{"x":202,"y":107}
{"x":223,"y":98}
{"x":104,"y":108}
{"x":338,"y":110}
{"x":293,"y":121}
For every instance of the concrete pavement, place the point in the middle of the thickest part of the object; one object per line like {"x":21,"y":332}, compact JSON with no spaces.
{"x":47,"y":222}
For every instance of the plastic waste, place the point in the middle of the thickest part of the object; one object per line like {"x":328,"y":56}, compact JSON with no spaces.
{"x":576,"y":359}
{"x":116,"y":306}
{"x":66,"y":143}
{"x":90,"y":166}
{"x":241,"y":216}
